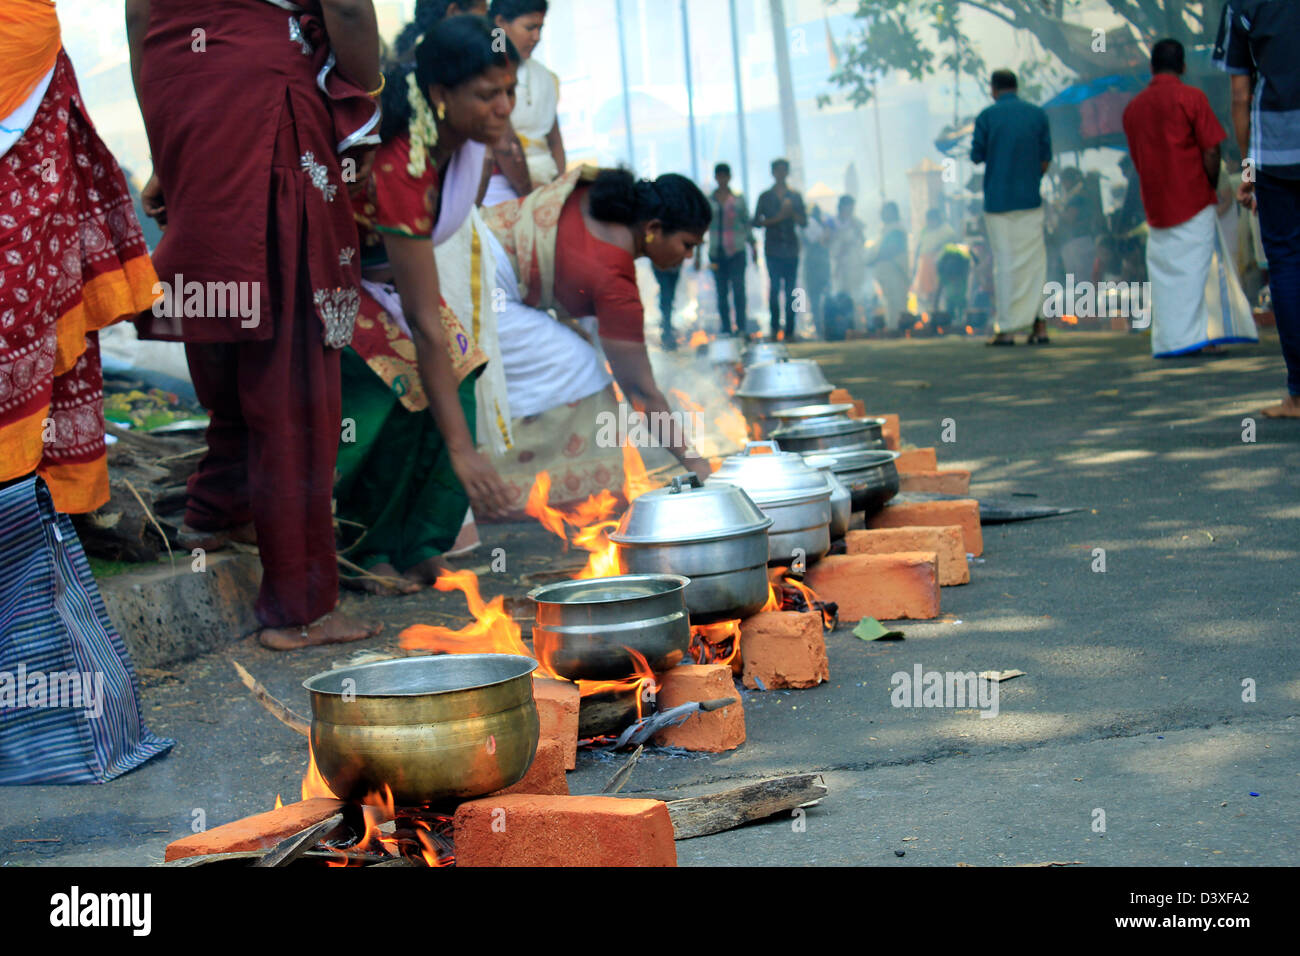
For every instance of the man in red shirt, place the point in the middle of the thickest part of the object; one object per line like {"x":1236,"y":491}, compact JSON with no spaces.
{"x":1173,"y":139}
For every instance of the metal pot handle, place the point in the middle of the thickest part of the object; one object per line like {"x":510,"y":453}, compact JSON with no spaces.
{"x":772,"y":447}
{"x":678,"y":480}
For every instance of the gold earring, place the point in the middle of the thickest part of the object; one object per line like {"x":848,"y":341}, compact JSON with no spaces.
{"x":442,"y":111}
{"x":649,"y":237}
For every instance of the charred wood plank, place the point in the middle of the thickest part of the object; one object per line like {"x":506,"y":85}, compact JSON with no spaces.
{"x":716,"y":812}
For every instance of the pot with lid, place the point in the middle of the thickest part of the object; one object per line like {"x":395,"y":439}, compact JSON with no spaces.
{"x":724,"y":350}
{"x":830,"y":435}
{"x":785,"y":383}
{"x":871,"y":476}
{"x":794,"y":495}
{"x":841,"y":497}
{"x":758,"y":352}
{"x":810,"y":414}
{"x":713,"y":534}
{"x":584,"y":628}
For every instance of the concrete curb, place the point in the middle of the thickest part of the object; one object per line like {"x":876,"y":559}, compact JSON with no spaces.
{"x":166,"y":616}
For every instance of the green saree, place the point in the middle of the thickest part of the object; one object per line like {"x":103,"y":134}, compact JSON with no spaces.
{"x":398,"y":498}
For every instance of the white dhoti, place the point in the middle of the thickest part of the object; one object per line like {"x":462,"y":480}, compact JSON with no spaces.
{"x":1196,"y":296}
{"x":546,"y":363}
{"x":893,"y":282}
{"x":1019,"y":267}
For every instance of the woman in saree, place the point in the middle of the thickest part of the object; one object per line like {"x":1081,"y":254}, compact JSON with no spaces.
{"x":72,"y":261}
{"x":531,"y":153}
{"x":408,"y":464}
{"x":571,"y":247}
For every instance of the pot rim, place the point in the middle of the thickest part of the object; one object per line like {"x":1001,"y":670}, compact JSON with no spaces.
{"x":679,"y":582}
{"x":532,"y":665}
{"x":826,"y":429}
{"x":725,"y":534}
{"x":815,"y":411}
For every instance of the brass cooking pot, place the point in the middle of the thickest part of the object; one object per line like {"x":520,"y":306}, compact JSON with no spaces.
{"x":431,"y":728}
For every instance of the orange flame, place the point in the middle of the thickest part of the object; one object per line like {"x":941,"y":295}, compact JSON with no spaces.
{"x":773,"y":602}
{"x":1070,"y":319}
{"x":278,"y":802}
{"x":969,"y":330}
{"x":635,"y":480}
{"x":598,"y":507}
{"x":313,"y":784}
{"x":493,"y":630}
{"x":643,"y":681}
{"x":538,"y":506}
{"x":717,"y":643}
{"x":699,"y":337}
{"x":603,"y":561}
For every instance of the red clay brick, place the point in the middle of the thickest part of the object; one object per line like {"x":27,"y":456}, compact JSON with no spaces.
{"x":259,"y":832}
{"x":962,"y":511}
{"x":916,"y":459}
{"x":841,"y":396}
{"x":783,"y":649}
{"x":951,"y":481}
{"x":947,"y":541}
{"x":538,"y":830}
{"x":892,"y":432}
{"x":714,"y":731}
{"x":546,"y":773}
{"x":557,"y":708}
{"x":883,"y":586}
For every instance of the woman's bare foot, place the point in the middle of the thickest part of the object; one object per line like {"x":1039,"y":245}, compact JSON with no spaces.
{"x":189,"y":537}
{"x":427,"y":571}
{"x":333,"y":628}
{"x":394,"y":582}
{"x":1289,"y":407}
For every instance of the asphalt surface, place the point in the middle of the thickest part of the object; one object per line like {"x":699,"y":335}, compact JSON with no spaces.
{"x":1126,"y":742}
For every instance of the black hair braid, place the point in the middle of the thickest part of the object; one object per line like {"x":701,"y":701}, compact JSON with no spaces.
{"x":427,"y":13}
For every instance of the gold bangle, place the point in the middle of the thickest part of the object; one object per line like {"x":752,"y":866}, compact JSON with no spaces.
{"x":375,"y":92}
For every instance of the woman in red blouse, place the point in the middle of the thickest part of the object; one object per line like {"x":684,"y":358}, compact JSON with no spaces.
{"x":408,"y":465}
{"x":572,"y":247}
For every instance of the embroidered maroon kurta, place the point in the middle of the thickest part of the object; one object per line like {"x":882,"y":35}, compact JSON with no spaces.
{"x":246,"y":126}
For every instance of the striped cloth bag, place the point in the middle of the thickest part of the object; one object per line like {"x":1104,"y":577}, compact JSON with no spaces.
{"x":69,"y":700}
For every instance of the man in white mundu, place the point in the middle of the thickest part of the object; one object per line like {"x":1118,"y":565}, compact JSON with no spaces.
{"x":1012,"y":139}
{"x":1197,"y":301}
{"x":534,"y":122}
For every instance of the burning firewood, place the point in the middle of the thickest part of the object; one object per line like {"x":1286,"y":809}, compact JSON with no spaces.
{"x":291,"y":848}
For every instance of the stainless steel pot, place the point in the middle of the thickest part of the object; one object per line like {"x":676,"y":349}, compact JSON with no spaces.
{"x":794,"y":495}
{"x":714,"y":535}
{"x":832,"y":435}
{"x":724,"y":351}
{"x":841,"y":497}
{"x":583,"y":628}
{"x":758,"y":352}
{"x":813,"y":414}
{"x":431,"y":728}
{"x":871,"y":477}
{"x":786,"y":383}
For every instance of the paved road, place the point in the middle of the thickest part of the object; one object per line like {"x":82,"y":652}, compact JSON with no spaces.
{"x":1132,"y":702}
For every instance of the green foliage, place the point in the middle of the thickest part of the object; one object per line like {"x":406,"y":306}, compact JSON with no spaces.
{"x":921,"y":38}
